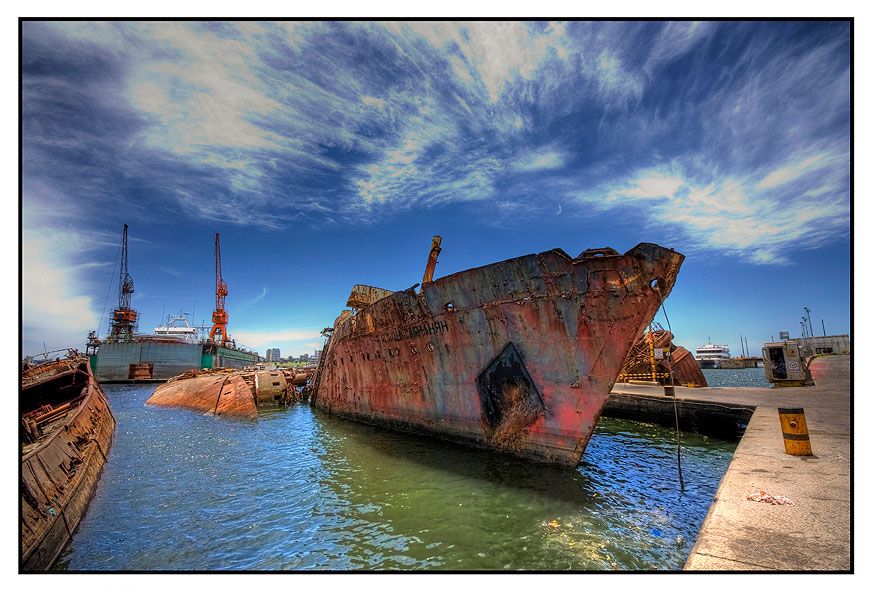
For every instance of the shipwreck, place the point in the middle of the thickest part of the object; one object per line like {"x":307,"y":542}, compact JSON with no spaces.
{"x":66,"y":431}
{"x":518,"y":356}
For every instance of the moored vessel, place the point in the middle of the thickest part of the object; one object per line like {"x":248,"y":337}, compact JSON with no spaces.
{"x":711,"y":356}
{"x":66,"y":432}
{"x":517,"y":356}
{"x":128,"y":356}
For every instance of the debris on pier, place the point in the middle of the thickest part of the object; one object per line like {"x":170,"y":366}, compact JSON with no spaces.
{"x":229,"y":392}
{"x":655,"y":358}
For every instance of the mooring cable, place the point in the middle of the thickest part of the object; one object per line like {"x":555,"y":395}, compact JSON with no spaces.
{"x":674,"y":396}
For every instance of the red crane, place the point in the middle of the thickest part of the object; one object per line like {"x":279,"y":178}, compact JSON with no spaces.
{"x":124,"y":318}
{"x":220,"y":316}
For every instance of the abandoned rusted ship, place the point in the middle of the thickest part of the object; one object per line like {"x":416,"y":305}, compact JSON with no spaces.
{"x":229,"y":392}
{"x":517,"y":356}
{"x":66,"y":432}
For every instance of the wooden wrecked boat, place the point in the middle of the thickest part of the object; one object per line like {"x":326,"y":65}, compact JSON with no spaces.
{"x":517,"y":356}
{"x":675,"y":364}
{"x":229,"y":392}
{"x":66,"y":432}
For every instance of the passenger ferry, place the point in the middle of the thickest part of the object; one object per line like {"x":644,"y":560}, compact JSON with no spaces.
{"x":713,"y":356}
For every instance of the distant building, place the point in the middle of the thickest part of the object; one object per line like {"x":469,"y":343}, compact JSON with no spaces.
{"x":304,"y":357}
{"x":272,"y":355}
{"x":835,"y":344}
{"x":317,"y":354}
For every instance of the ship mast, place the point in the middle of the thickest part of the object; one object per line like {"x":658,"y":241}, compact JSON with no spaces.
{"x":433,"y":260}
{"x":220,"y":316}
{"x":124,"y":318}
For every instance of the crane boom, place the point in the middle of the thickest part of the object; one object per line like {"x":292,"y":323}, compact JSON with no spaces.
{"x":126,"y":283}
{"x":220,"y":316}
{"x":124,"y":318}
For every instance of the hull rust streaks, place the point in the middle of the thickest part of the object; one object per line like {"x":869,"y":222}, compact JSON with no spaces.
{"x":518,"y":356}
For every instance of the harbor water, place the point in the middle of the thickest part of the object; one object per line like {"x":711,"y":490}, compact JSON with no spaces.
{"x":302,"y":490}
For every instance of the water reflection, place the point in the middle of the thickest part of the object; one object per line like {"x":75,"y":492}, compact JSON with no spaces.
{"x":304,"y":490}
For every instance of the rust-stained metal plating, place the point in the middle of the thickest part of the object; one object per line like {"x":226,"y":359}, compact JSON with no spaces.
{"x":517,"y":356}
{"x":230,"y":392}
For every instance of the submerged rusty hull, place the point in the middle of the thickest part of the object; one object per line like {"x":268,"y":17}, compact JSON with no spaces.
{"x":231,"y":393}
{"x":518,"y":356}
{"x":66,"y":431}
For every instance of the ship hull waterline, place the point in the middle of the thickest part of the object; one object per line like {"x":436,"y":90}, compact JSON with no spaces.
{"x":517,"y":357}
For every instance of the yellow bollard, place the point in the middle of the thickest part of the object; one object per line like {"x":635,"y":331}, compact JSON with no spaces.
{"x":795,"y":432}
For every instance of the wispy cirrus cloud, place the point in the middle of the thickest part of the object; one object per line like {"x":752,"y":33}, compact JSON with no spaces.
{"x":249,"y":302}
{"x":279,"y":124}
{"x":762,"y":223}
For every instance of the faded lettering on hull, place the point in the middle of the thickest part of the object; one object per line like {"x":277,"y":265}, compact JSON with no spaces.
{"x":439,"y":361}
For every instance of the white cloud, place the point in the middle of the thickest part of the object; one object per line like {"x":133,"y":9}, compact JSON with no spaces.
{"x":676,"y":38}
{"x":491,"y":54}
{"x":541,"y":160}
{"x":790,"y":172}
{"x":650,"y":185}
{"x":739,"y":215}
{"x":253,"y":300}
{"x":614,"y":79}
{"x":55,"y":307}
{"x":373,"y":101}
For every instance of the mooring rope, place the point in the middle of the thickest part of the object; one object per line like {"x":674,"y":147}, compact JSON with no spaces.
{"x":674,"y":396}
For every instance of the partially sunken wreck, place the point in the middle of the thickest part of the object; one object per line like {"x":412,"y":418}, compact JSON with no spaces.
{"x":517,"y":356}
{"x":230,"y":392}
{"x":66,"y":431}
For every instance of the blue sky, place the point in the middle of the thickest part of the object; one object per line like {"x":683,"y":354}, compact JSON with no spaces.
{"x":328,"y":154}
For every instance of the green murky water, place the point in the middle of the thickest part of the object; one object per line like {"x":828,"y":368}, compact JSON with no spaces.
{"x":304,"y":490}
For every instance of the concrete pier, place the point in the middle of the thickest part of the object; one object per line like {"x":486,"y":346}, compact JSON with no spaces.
{"x":739,"y":534}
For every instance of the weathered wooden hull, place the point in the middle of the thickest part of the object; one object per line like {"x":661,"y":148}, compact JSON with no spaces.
{"x":60,"y":472}
{"x":518,"y":356}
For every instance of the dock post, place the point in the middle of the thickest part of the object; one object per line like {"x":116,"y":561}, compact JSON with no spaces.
{"x":794,"y":431}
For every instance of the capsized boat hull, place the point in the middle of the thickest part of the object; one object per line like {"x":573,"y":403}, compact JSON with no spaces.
{"x":518,"y":356}
{"x":229,"y":393}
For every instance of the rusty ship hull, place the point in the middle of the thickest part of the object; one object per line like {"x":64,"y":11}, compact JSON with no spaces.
{"x":66,"y":432}
{"x":517,"y":356}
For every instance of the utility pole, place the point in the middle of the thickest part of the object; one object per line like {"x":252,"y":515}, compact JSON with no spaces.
{"x":823,"y":332}
{"x":747,"y":352}
{"x":809,"y":320}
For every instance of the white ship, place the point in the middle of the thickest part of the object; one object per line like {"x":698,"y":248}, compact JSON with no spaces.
{"x":179,"y":327}
{"x":713,"y":356}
